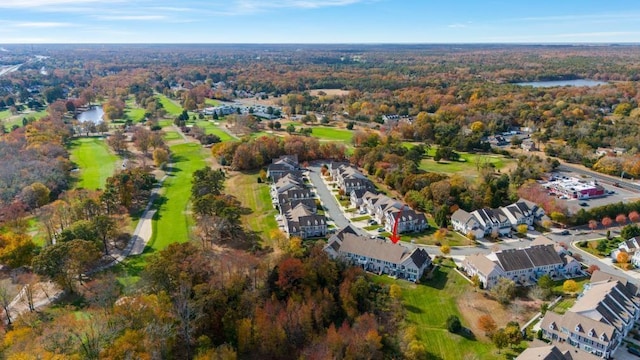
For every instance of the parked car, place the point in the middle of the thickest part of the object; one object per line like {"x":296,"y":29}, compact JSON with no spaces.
{"x":633,"y":351}
{"x":584,"y":204}
{"x":372,"y":222}
{"x":381,"y":229}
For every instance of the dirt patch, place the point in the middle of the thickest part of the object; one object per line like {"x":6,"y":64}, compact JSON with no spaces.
{"x":473,"y":304}
{"x":329,"y":92}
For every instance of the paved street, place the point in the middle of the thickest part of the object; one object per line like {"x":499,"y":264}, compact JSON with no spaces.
{"x":327,"y":198}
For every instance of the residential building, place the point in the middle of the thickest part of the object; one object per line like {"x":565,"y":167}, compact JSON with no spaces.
{"x":598,"y":321}
{"x":553,"y":352}
{"x":575,"y":188}
{"x":303,"y":222}
{"x":379,"y":256}
{"x":524,"y":266}
{"x":630,"y":247}
{"x":528,"y":145}
{"x":409,"y":220}
{"x":349,"y":178}
{"x":499,"y":221}
{"x":283,"y":165}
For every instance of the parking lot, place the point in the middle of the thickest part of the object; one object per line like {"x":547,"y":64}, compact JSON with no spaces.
{"x":614,"y":194}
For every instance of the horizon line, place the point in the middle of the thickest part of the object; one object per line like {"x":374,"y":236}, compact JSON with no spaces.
{"x":573,"y":43}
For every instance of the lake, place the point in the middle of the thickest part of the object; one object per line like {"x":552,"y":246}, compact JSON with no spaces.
{"x":554,"y":83}
{"x":94,"y":115}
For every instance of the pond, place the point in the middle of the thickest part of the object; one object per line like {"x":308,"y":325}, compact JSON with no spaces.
{"x":94,"y":115}
{"x":554,"y":83}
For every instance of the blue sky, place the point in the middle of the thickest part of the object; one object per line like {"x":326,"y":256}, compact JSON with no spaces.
{"x":318,"y":21}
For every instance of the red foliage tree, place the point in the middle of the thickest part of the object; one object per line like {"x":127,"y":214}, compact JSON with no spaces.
{"x":634,"y":216}
{"x":606,"y":221}
{"x":593,"y":269}
{"x":290,"y":272}
{"x":593,"y":225}
{"x":621,"y":219}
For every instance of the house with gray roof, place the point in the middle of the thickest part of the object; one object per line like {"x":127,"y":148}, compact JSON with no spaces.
{"x":524,"y":266}
{"x":379,"y":256}
{"x":598,"y":321}
{"x":283,"y":165}
{"x":550,"y":352}
{"x":349,"y":178}
{"x":498,"y":221}
{"x":303,"y":222}
{"x":630,"y":247}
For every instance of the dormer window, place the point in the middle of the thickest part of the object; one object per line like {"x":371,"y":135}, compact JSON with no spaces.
{"x":602,"y":338}
{"x":552,"y":326}
{"x":592,"y":333}
{"x":577,"y":328}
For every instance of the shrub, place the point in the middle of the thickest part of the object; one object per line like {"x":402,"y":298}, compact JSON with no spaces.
{"x":453,"y":324}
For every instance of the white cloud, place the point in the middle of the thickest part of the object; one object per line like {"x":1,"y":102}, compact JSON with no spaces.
{"x":21,"y":4}
{"x":261,"y":5}
{"x":132,"y":17}
{"x":457,"y":26}
{"x":39,"y":25}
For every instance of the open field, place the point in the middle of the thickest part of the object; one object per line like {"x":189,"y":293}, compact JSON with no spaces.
{"x":468,"y":163}
{"x":172,"y":221}
{"x":10,"y":120}
{"x":133,"y":112}
{"x":328,"y":133}
{"x":210,"y":128}
{"x":428,"y":305}
{"x":94,"y":160}
{"x":172,"y":108}
{"x":329,"y":92}
{"x":211,"y":102}
{"x":255,"y":196}
{"x":171,"y":135}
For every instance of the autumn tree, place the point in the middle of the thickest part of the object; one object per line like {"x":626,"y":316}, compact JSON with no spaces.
{"x":522,"y":229}
{"x":593,"y":225}
{"x":445,"y":249}
{"x":621,"y":219}
{"x":570,"y":286}
{"x":592,"y":268}
{"x":487,"y":324}
{"x":118,"y":141}
{"x":606,"y":221}
{"x":160,"y":157}
{"x":500,"y":339}
{"x":622,"y":257}
{"x":66,"y":262}
{"x":634,"y":216}
{"x":16,"y":249}
{"x":504,"y":290}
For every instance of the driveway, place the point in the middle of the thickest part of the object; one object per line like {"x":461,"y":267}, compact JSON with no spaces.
{"x":328,"y":199}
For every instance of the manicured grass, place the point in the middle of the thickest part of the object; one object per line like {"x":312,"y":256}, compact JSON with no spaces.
{"x":557,"y":288}
{"x":428,"y":305}
{"x":564,"y":305}
{"x":360,"y":218}
{"x":165,"y":123}
{"x":5,"y":114}
{"x":171,"y":135}
{"x":468,"y":162}
{"x":211,"y":102}
{"x":210,"y":128}
{"x":452,"y":238}
{"x":255,"y":196}
{"x":371,"y":227}
{"x":94,"y":160}
{"x":133,"y":112}
{"x":172,"y":221}
{"x":172,"y":108}
{"x":592,"y":246}
{"x":328,"y":133}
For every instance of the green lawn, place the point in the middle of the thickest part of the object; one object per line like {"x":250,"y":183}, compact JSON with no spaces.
{"x":428,"y":305}
{"x":210,"y":128}
{"x":467,"y":162}
{"x":171,"y":135}
{"x":5,"y":114}
{"x":328,"y":133}
{"x":172,"y":108}
{"x":211,"y":102}
{"x":254,"y":196}
{"x":592,"y":246}
{"x":94,"y":160}
{"x":172,"y":221}
{"x":133,"y":112}
{"x":452,"y":238}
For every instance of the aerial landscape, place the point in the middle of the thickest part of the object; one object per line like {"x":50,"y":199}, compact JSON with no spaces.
{"x":338,"y":179}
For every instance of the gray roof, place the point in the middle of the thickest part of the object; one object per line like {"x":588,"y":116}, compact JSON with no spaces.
{"x":544,"y":353}
{"x":382,"y":250}
{"x":527,"y":258}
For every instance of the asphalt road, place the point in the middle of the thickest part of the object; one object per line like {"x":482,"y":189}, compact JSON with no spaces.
{"x":327,"y":198}
{"x":624,"y":183}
